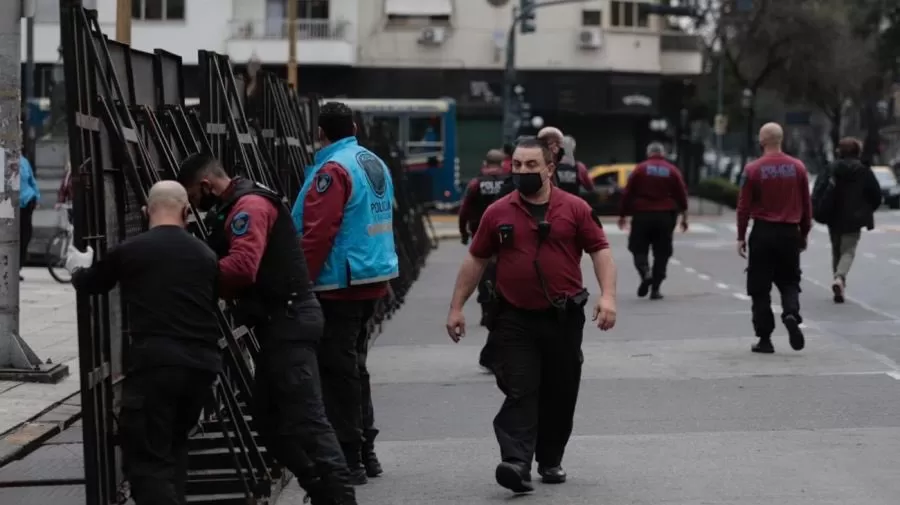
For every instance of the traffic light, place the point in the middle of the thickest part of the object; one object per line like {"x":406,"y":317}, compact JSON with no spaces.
{"x":527,"y":8}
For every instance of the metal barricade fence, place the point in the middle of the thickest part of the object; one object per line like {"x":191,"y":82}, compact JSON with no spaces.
{"x":128,"y":128}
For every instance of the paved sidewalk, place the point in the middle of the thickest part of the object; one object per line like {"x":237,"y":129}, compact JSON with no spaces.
{"x":49,"y":325}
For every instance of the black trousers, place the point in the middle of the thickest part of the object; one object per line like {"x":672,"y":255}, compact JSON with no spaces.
{"x":26,"y":230}
{"x":345,"y":377}
{"x":288,"y":406}
{"x":773,"y":258}
{"x":652,"y":231}
{"x":160,"y":406}
{"x":536,"y":359}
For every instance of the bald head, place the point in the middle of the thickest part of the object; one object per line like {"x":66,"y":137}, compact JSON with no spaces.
{"x":771,"y":136}
{"x":549,"y":133}
{"x":167,"y":204}
{"x":553,"y":137}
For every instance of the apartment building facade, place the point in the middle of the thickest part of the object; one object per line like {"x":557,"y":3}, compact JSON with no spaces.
{"x":598,"y":66}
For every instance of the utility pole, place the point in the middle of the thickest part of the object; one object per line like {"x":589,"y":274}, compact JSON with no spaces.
{"x":28,"y":147}
{"x":123,"y":21}
{"x":292,"y":43}
{"x":17,"y":360}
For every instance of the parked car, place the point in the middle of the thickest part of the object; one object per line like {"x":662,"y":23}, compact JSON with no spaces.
{"x":890,"y":188}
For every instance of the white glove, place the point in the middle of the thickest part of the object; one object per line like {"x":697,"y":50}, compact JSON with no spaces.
{"x":76,"y":259}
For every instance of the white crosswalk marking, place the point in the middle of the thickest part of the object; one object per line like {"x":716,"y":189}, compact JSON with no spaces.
{"x":693,"y":228}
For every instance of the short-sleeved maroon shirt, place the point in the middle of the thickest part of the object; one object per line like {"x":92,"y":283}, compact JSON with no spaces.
{"x":573,"y":231}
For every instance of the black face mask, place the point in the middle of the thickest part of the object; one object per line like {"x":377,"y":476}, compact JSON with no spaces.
{"x":207,"y":201}
{"x":528,"y":183}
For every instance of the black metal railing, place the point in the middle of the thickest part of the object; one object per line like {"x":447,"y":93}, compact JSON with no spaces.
{"x":129,"y":128}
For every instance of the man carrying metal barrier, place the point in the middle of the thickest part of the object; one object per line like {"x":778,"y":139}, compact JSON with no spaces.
{"x":174,"y":356}
{"x":344,"y":212}
{"x":263,"y":270}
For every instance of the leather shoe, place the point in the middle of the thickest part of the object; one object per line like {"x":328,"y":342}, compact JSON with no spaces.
{"x":514,"y":476}
{"x":552,"y":474}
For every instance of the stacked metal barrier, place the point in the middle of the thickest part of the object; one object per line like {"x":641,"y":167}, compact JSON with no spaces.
{"x":128,"y":128}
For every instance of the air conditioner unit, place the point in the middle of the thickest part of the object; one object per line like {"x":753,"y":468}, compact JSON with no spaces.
{"x":590,"y":38}
{"x":432,"y":36}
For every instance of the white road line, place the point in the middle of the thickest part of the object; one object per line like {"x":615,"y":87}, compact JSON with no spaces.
{"x":869,"y":255}
{"x":721,"y":285}
{"x":690,"y":270}
{"x":892,"y":261}
{"x":703,"y":277}
{"x":893,"y":375}
{"x":741,"y":296}
{"x":674,"y":261}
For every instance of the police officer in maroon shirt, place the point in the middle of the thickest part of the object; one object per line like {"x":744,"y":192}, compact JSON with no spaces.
{"x":262,"y":269}
{"x":654,"y":196}
{"x":537,"y":235}
{"x":482,"y":191}
{"x":775,"y":194}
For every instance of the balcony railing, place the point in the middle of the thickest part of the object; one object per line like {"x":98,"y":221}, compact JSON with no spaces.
{"x":682,"y":42}
{"x":307,"y":29}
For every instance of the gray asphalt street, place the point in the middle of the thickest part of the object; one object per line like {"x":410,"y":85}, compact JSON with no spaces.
{"x":674,"y":407}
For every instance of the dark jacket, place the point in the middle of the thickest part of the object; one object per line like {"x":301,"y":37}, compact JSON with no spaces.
{"x":856,"y":193}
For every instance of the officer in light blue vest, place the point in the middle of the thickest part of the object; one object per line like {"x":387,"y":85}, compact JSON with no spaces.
{"x":344,"y":214}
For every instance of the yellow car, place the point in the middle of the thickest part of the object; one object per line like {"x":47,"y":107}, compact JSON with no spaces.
{"x":608,"y":183}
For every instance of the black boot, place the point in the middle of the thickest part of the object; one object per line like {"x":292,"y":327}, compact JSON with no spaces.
{"x":514,"y":476}
{"x":552,"y":474}
{"x":330,"y":494}
{"x":369,"y":459}
{"x":795,"y":333}
{"x":764,"y":346}
{"x":353,"y":453}
{"x":654,"y":291}
{"x":646,"y":282}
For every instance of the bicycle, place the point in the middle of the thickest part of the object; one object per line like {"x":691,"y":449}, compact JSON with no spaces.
{"x":58,"y":246}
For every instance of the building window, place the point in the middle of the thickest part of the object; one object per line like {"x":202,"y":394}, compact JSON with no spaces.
{"x":418,"y":12}
{"x":628,"y":15}
{"x":591,"y":18}
{"x":158,"y":10}
{"x":312,"y":9}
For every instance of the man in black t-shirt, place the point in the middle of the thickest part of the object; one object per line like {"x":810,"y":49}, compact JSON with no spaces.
{"x":168,"y":283}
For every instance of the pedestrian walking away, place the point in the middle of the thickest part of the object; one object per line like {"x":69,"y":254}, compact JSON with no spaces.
{"x":263,"y":271}
{"x":538,"y":235}
{"x":845,"y":198}
{"x":654,"y":196}
{"x":775,"y":194}
{"x":168,"y":284}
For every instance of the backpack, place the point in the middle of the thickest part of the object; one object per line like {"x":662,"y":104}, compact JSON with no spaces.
{"x":823,"y":201}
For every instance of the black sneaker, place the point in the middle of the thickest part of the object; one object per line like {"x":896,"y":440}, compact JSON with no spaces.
{"x":764,"y":346}
{"x":514,"y":477}
{"x":656,"y":295}
{"x":795,"y":334}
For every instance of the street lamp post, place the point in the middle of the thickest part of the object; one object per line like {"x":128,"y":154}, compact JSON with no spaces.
{"x":509,"y":72}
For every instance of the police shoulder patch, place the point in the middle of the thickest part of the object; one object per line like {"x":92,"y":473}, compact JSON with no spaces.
{"x":323,"y":182}
{"x":240,"y":224}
